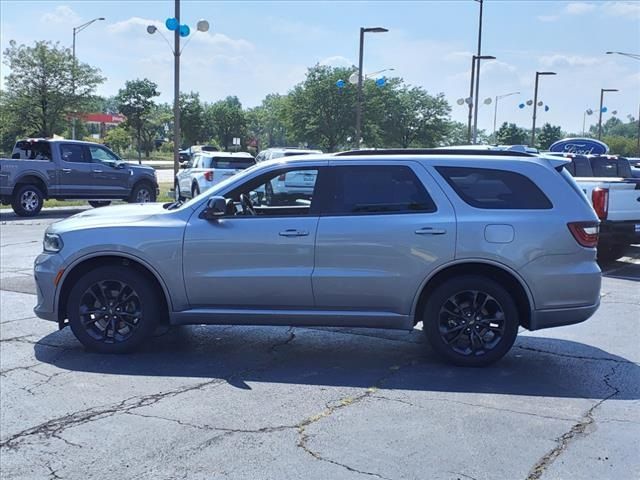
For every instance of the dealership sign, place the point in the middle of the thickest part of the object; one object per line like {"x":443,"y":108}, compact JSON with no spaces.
{"x":580,"y":146}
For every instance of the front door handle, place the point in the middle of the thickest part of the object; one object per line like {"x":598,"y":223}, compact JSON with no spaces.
{"x":66,"y":170}
{"x":430,"y":231}
{"x":291,"y":232}
{"x":97,"y":171}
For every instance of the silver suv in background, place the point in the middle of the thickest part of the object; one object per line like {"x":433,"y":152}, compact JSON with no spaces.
{"x":473,"y":246}
{"x":206,"y":169}
{"x":279,"y":152}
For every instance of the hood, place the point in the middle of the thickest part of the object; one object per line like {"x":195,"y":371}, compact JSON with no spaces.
{"x":115,"y":216}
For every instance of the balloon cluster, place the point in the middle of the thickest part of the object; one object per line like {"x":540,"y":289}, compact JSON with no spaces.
{"x":173,"y":25}
{"x":530,"y":102}
{"x":380,"y":82}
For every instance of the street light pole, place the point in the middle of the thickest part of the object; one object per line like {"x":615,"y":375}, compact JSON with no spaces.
{"x":360,"y":79}
{"x":477,"y":60}
{"x":602,"y":90}
{"x":77,"y":30}
{"x":470,"y":102}
{"x":635,"y":56}
{"x":535,"y":106}
{"x":495,"y":112}
{"x":176,"y":92}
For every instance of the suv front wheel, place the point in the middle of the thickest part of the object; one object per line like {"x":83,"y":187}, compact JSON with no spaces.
{"x":471,"y":321}
{"x":112,"y":309}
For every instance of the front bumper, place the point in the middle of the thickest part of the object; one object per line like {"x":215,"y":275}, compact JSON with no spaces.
{"x":559,"y":317}
{"x":45,"y":270}
{"x":622,"y":233}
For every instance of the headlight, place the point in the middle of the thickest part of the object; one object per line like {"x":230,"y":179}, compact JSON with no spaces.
{"x":52,"y":243}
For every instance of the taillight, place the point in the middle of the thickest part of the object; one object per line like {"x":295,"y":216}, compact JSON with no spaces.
{"x":282,"y":177}
{"x":600,"y":201}
{"x":208,"y":176}
{"x":585,"y":233}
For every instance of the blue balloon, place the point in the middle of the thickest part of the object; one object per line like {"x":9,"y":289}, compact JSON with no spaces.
{"x":184,"y":30}
{"x":381,"y":81}
{"x":604,"y":109}
{"x":171,"y":24}
{"x":340,"y":83}
{"x":546,"y":108}
{"x":521,"y":105}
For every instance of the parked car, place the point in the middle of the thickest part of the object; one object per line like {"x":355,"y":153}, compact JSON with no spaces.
{"x":279,"y":152}
{"x":207,"y":169}
{"x":609,"y":184}
{"x":67,"y":169}
{"x":473,"y":246}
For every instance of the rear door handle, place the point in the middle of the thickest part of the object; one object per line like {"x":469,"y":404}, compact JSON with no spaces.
{"x":430,"y":231}
{"x":66,"y":170}
{"x":291,"y":232}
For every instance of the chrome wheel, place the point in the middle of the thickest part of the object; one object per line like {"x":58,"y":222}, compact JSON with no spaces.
{"x":110,"y":311}
{"x":143,"y":195}
{"x":29,"y":200}
{"x":471,"y":322}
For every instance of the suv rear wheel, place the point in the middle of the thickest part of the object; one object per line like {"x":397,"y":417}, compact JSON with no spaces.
{"x":112,"y":309}
{"x":471,"y":321}
{"x":27,"y":201}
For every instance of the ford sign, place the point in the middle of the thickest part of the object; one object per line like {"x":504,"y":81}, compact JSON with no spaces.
{"x":580,"y":146}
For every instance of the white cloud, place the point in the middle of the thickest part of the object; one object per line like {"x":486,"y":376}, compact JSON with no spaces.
{"x":336,"y":61}
{"x":622,"y":9}
{"x":133,"y":23}
{"x":222,"y":41}
{"x":548,"y":18}
{"x":579,"y":8}
{"x":568,"y":60}
{"x":61,"y":14}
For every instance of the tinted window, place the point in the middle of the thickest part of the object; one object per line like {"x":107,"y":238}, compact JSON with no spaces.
{"x":73,"y":153}
{"x":368,"y":189}
{"x":32,"y":151}
{"x":234,"y":163}
{"x":604,"y":167}
{"x":494,"y":189}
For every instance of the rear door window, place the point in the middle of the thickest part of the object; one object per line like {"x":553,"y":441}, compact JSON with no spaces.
{"x":377,"y":189}
{"x":75,"y":153}
{"x":26,"y":150}
{"x":495,"y":189}
{"x":604,"y":167}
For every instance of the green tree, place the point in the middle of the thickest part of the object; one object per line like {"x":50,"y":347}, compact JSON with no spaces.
{"x":44,"y":87}
{"x":619,"y":145}
{"x":228,"y":120}
{"x":135,"y":101}
{"x":267,"y":123}
{"x":192,"y":120}
{"x":511,"y":134}
{"x":118,"y":139}
{"x":548,"y":135}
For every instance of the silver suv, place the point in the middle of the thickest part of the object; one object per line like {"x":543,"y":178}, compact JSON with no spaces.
{"x":473,"y":245}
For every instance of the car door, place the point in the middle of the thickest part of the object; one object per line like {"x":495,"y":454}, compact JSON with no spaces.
{"x":186,"y":175}
{"x":76,"y":171}
{"x":110,"y":175}
{"x":260,"y":261}
{"x":386,"y":228}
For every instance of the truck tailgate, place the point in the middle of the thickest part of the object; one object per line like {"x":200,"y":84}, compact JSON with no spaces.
{"x":624,"y":201}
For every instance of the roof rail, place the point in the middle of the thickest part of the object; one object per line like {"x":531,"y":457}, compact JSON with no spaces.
{"x":434,"y":151}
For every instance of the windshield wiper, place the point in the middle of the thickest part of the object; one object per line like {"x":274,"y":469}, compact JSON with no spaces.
{"x":172,"y":205}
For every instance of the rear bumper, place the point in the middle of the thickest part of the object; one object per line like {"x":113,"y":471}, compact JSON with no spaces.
{"x":624,"y":233}
{"x":559,"y":317}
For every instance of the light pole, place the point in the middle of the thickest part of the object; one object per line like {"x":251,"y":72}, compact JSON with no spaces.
{"x":360,"y":58}
{"x":77,"y":30}
{"x":477,"y":60}
{"x":635,"y":56}
{"x":588,"y":111}
{"x":179,"y":30}
{"x":495,"y":111}
{"x":535,"y":106}
{"x":471,"y":132}
{"x":602,"y":90}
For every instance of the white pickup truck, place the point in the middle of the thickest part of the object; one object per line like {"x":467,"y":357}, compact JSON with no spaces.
{"x":614,"y":194}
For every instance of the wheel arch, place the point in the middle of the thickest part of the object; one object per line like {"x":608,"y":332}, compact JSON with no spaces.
{"x":31,"y":179}
{"x":504,"y":275}
{"x":87,"y":263}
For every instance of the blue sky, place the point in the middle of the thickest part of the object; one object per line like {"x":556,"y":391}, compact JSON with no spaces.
{"x":255,"y":48}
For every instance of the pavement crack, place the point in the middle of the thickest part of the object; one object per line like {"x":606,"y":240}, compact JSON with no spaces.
{"x":19,"y":243}
{"x":287,"y":341}
{"x":303,"y":436}
{"x":577,"y":431}
{"x":577,"y":357}
{"x":53,"y":474}
{"x":463,"y":475}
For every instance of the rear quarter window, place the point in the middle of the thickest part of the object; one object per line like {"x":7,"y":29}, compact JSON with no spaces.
{"x":495,"y":189}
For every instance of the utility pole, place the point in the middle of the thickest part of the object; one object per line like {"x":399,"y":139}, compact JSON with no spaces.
{"x":176,"y":92}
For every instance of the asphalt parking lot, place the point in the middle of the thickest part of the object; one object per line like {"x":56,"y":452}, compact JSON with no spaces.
{"x":275,"y":403}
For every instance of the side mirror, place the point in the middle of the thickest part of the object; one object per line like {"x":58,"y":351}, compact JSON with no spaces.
{"x":216,"y":208}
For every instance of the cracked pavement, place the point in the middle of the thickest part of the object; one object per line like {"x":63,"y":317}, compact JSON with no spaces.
{"x":275,"y":403}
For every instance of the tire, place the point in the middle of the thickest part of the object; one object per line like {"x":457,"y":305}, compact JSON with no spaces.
{"x":125,"y":325}
{"x":611,"y":252}
{"x":98,"y":204}
{"x":497,"y":321}
{"x":178,"y":194}
{"x":27,"y":201}
{"x":195,"y":190}
{"x":143,"y":192}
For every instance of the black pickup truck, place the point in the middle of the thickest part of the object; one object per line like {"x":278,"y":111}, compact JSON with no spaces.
{"x":67,"y":169}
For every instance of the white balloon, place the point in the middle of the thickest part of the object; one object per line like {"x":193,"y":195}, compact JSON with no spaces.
{"x":460,"y":101}
{"x":353,"y":78}
{"x":202,"y":26}
{"x":487,"y":101}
